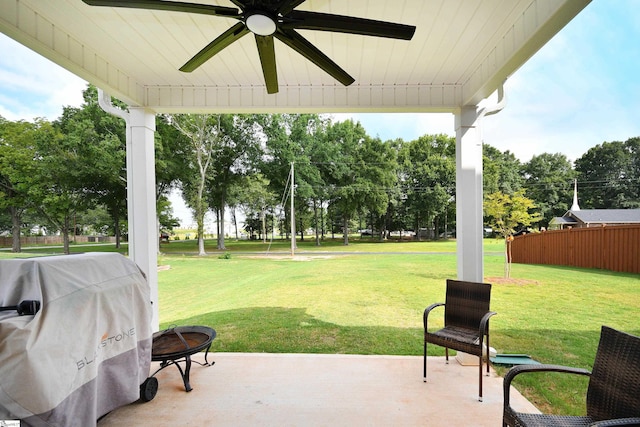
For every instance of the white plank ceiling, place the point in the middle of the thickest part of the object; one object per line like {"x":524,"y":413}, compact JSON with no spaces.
{"x":462,"y":50}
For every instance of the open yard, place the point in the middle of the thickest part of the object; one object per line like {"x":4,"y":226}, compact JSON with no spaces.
{"x":368,"y":298}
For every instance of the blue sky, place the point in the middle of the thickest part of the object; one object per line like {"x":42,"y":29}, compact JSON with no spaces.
{"x":579,"y":90}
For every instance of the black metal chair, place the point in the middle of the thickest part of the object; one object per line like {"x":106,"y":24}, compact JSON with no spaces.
{"x":466,"y":322}
{"x":613,"y":393}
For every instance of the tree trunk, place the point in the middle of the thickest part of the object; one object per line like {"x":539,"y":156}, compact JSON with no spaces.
{"x":315,"y":215}
{"x":322,"y":219}
{"x":331,"y":220}
{"x":220,"y":215}
{"x":116,"y":230}
{"x":65,"y":235}
{"x":264,"y":225}
{"x":299,"y":227}
{"x":200,"y":222}
{"x":507,"y":258}
{"x":16,"y":220}
{"x":235,"y":222}
{"x":345,"y":230}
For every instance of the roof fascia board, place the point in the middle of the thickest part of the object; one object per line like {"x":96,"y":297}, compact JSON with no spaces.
{"x":325,"y":99}
{"x":506,"y":57}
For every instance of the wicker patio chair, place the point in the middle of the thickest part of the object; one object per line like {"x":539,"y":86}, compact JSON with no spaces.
{"x":613,"y":393}
{"x":466,"y":322}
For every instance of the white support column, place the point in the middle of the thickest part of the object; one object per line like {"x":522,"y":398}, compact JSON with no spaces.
{"x":469,"y":224}
{"x":141,"y":193}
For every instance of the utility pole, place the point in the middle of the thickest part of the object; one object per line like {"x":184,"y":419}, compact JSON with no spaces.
{"x":293,"y":217}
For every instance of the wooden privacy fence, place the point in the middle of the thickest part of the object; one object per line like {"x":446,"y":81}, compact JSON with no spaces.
{"x":615,"y":248}
{"x":7,"y":242}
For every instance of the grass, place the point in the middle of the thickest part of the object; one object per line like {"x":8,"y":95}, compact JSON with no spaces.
{"x":372,"y":303}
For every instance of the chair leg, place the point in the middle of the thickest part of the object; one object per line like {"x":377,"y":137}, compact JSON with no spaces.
{"x":480,"y":380}
{"x":488,"y":354}
{"x":424,"y":361}
{"x":446,"y":355}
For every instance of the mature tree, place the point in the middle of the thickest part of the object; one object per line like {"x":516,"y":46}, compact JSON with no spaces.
{"x":362,"y":176}
{"x":309,"y":131}
{"x":279,"y":153}
{"x":57,"y":180}
{"x":344,"y":180}
{"x":236,"y":150}
{"x":99,"y":140}
{"x":165,"y":214}
{"x":95,"y":220}
{"x":378,"y":164}
{"x":609,"y":175}
{"x":428,"y":168}
{"x":171,"y":166}
{"x":502,"y":171}
{"x":549,"y":179}
{"x":633,"y":147}
{"x":203,"y":132}
{"x":292,"y":139}
{"x":257,"y":201}
{"x":506,"y":213}
{"x":17,"y":163}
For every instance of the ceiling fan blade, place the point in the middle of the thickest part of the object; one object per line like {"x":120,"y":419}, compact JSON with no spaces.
{"x":225,"y":39}
{"x":268,"y":60}
{"x":301,"y":45}
{"x":304,"y":20}
{"x":240,"y":4}
{"x":287,"y":6}
{"x":174,"y":6}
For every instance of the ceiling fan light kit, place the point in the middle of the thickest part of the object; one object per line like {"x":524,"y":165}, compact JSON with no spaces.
{"x":260,"y":24}
{"x":267,"y":19}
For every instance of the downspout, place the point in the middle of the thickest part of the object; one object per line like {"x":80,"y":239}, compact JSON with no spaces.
{"x":104,"y":100}
{"x":498,"y":106}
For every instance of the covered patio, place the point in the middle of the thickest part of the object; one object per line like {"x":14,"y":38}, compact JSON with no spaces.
{"x":320,"y":390}
{"x":456,"y":62}
{"x":460,"y":55}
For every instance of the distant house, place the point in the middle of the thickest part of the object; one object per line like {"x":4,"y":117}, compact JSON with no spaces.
{"x":595,"y":218}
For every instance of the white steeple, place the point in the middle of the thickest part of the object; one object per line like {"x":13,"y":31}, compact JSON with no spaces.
{"x":574,"y":206}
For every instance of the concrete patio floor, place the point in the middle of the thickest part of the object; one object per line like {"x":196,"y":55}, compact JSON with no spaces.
{"x":258,"y":389}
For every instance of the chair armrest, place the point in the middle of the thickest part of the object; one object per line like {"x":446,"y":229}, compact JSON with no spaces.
{"x":485,"y":321}
{"x":521,"y":369}
{"x":617,"y":422}
{"x":428,"y":310}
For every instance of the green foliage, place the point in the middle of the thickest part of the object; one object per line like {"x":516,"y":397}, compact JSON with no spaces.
{"x":502,"y":171}
{"x":428,"y":173}
{"x":549,"y":179}
{"x":345,"y":180}
{"x":17,"y":163}
{"x":506,"y":213}
{"x":609,"y":174}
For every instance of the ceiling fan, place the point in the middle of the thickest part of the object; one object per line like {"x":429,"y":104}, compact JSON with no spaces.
{"x":267,"y":19}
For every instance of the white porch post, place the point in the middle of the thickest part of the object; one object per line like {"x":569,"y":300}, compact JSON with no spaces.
{"x":141,"y":203}
{"x":469,"y":226}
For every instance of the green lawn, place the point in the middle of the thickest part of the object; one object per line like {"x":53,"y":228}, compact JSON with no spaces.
{"x":372,"y":303}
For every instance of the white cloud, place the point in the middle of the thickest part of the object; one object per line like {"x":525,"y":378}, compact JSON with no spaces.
{"x":32,"y":86}
{"x":576,"y":92}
